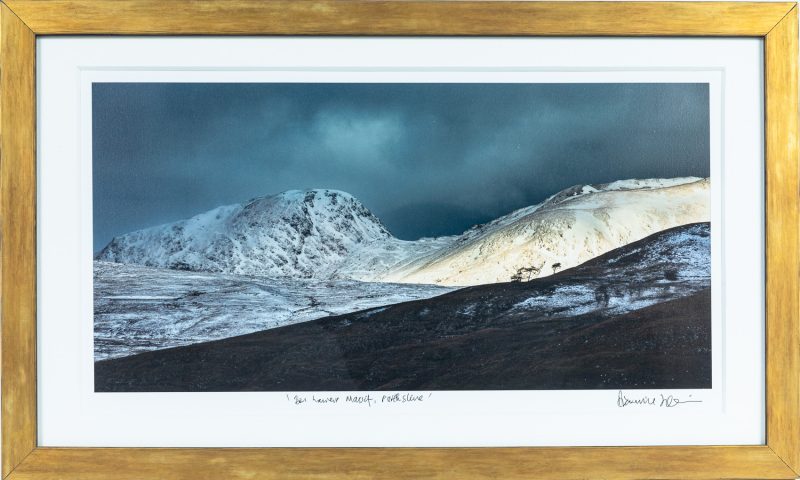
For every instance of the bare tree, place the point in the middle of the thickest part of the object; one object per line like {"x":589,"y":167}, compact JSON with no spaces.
{"x":526,"y":274}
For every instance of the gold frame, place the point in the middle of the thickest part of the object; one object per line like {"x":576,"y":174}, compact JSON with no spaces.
{"x":21,"y":21}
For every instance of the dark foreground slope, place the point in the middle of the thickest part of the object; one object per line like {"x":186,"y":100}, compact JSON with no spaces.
{"x":637,"y":317}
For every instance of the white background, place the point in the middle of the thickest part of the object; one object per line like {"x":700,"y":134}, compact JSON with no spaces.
{"x":71,"y":414}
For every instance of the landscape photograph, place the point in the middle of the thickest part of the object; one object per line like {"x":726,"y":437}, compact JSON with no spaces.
{"x":285,"y":237}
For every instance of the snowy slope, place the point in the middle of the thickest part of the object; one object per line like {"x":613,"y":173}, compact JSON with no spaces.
{"x":138,"y":309}
{"x":670,"y":264}
{"x":567,"y":229}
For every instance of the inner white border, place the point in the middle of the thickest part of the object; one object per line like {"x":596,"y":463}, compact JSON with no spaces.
{"x":71,"y":414}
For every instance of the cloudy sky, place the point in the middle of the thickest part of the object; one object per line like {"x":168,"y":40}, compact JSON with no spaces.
{"x":427,"y":159}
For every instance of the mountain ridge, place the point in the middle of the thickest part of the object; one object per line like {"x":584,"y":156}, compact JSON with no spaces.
{"x":329,"y":234}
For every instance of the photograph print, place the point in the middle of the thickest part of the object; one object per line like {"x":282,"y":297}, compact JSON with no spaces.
{"x":286,"y":237}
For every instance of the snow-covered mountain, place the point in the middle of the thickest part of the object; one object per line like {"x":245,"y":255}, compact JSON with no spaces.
{"x":569,"y":228}
{"x":300,"y":234}
{"x":328,"y":234}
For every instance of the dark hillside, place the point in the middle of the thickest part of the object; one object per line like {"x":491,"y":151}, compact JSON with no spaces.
{"x":636,"y":317}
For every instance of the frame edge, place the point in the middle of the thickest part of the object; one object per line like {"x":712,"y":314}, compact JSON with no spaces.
{"x":397,"y":17}
{"x":783,"y":240}
{"x":17,"y":239}
{"x":612,"y":463}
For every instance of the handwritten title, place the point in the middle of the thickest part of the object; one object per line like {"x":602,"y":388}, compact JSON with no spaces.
{"x":366,"y":400}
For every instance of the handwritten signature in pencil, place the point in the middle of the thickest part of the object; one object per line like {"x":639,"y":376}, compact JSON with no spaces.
{"x":660,"y":400}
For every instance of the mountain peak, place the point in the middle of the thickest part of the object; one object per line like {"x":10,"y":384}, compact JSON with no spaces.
{"x":308,"y":195}
{"x":303,"y":233}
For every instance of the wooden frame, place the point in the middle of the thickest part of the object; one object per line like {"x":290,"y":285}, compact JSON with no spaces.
{"x":21,"y":21}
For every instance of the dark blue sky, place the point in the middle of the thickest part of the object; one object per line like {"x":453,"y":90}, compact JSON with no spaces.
{"x":428,"y":159}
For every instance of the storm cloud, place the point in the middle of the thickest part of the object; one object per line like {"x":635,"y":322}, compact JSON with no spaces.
{"x":427,"y":159}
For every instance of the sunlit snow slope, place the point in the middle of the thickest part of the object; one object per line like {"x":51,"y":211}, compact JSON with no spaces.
{"x":566,"y":230}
